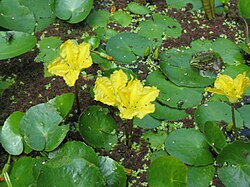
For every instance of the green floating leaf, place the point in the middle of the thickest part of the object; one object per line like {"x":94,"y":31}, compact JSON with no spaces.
{"x":42,"y":11}
{"x":156,"y":140}
{"x":39,"y":127}
{"x":112,"y":171}
{"x":148,"y":122}
{"x":157,"y":154}
{"x":234,"y":70}
{"x":98,"y":18}
{"x":172,"y":172}
{"x":105,"y":33}
{"x":94,"y":41}
{"x":163,"y":112}
{"x":63,"y":103}
{"x":10,"y":137}
{"x":172,"y":95}
{"x":160,"y":25}
{"x":75,"y":149}
{"x":201,"y":45}
{"x":67,"y":171}
{"x":175,"y":65}
{"x":200,"y":176}
{"x":137,"y":8}
{"x":244,"y":113}
{"x":228,"y":50}
{"x":26,"y":15}
{"x":73,"y":11}
{"x":190,"y":146}
{"x":98,"y":128}
{"x":215,"y":111}
{"x":125,"y":46}
{"x":214,"y":135}
{"x":15,"y":16}
{"x":49,"y":49}
{"x":21,"y":174}
{"x":122,"y":18}
{"x":14,"y":43}
{"x":237,"y":171}
{"x":182,"y":3}
{"x":243,"y":7}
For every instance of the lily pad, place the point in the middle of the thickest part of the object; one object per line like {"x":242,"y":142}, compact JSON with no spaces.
{"x":182,"y":3}
{"x":73,"y":11}
{"x":156,"y":140}
{"x":172,"y":95}
{"x":43,"y":13}
{"x":244,"y":113}
{"x":105,"y":33}
{"x":39,"y":127}
{"x":228,"y":50}
{"x":172,"y":172}
{"x":113,"y":172}
{"x":237,"y":171}
{"x":159,"y":26}
{"x":98,"y":18}
{"x":190,"y":146}
{"x":63,"y":103}
{"x":137,"y":8}
{"x":67,"y":171}
{"x":243,"y":7}
{"x":14,"y":43}
{"x":122,"y":18}
{"x":15,"y":16}
{"x":10,"y":137}
{"x":215,"y":111}
{"x":148,"y":122}
{"x":75,"y":149}
{"x":200,"y":176}
{"x":21,"y":174}
{"x":98,"y":128}
{"x":214,"y":136}
{"x":163,"y":112}
{"x":125,"y":46}
{"x":175,"y":65}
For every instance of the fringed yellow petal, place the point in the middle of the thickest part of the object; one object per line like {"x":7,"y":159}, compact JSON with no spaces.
{"x":233,"y":89}
{"x":119,"y":79}
{"x":57,"y":67}
{"x":104,"y":91}
{"x":84,"y":59}
{"x":73,"y":58}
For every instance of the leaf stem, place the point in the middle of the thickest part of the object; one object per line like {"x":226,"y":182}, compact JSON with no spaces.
{"x":77,"y":99}
{"x":129,"y":133}
{"x":234,"y":123}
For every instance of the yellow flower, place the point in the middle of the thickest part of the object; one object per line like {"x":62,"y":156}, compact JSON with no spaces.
{"x":131,"y":98}
{"x":106,"y":89}
{"x":136,"y":100}
{"x":233,"y":89}
{"x":73,"y":58}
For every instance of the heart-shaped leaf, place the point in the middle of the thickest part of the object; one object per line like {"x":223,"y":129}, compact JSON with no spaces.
{"x":172,"y":95}
{"x":98,"y":18}
{"x":244,"y":113}
{"x":21,"y":174}
{"x":215,"y":111}
{"x":148,"y":122}
{"x":73,"y":11}
{"x":237,"y":170}
{"x":14,"y":43}
{"x":122,"y":18}
{"x":67,"y":171}
{"x":125,"y":46}
{"x":173,"y":172}
{"x":200,"y":176}
{"x":10,"y":137}
{"x":39,"y":127}
{"x":137,"y":8}
{"x":75,"y":149}
{"x":63,"y":103}
{"x":190,"y":146}
{"x":98,"y":128}
{"x":113,"y":172}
